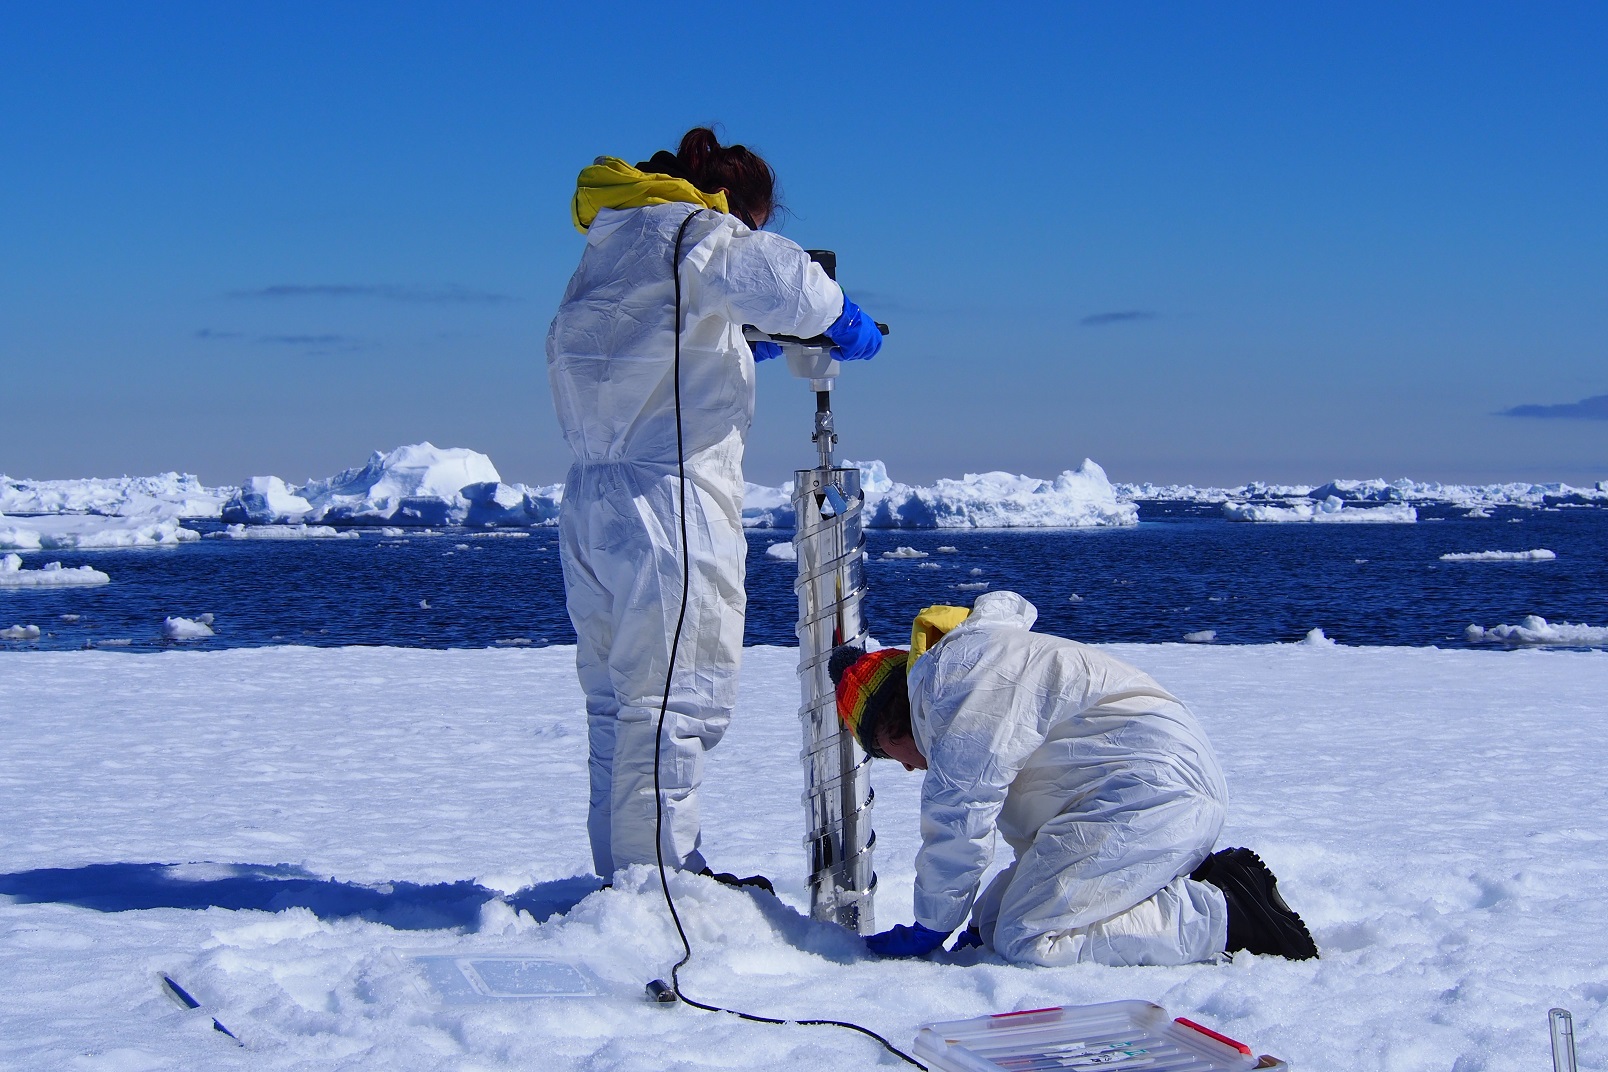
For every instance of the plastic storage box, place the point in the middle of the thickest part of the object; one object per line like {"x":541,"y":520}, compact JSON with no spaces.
{"x":1119,"y":1036}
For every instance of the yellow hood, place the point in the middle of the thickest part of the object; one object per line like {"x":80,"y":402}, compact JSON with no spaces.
{"x":612,"y":183}
{"x":931,"y":625}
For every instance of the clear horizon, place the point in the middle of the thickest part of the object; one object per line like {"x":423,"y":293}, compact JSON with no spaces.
{"x":1197,"y":245}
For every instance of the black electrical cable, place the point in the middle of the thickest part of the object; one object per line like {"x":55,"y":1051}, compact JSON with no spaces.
{"x":664,"y":706}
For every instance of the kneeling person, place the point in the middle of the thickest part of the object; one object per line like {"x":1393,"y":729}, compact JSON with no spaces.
{"x":1101,"y":781}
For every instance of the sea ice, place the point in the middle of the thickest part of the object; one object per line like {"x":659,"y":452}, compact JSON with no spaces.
{"x":284,"y":532}
{"x":279,"y":828}
{"x":170,"y":495}
{"x":1540,"y":554}
{"x":1536,"y":630}
{"x":1329,"y":509}
{"x":65,"y":532}
{"x":782,"y":549}
{"x":51,"y":575}
{"x":1204,"y":636}
{"x":1315,"y":638}
{"x":904,"y":552}
{"x":20,"y":632}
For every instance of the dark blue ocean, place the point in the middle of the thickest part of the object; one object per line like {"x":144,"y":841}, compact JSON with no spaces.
{"x":1183,"y":569}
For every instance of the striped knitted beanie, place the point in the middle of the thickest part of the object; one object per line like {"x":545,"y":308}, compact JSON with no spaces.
{"x":867,"y":684}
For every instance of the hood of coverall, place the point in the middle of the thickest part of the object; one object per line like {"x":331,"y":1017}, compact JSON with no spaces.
{"x":610,"y":182}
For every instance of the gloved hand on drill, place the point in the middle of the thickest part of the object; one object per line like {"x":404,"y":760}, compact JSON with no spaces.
{"x":855,"y":334}
{"x":764,"y":351}
{"x":912,"y":941}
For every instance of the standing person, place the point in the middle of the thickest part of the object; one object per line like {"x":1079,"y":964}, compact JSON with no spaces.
{"x":654,"y":388}
{"x":1101,"y":781}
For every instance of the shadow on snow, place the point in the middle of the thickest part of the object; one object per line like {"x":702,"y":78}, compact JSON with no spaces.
{"x":276,"y":887}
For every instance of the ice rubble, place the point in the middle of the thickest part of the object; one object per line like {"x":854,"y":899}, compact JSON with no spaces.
{"x":1537,"y":631}
{"x":1540,"y":554}
{"x":51,"y":575}
{"x":1472,"y":497}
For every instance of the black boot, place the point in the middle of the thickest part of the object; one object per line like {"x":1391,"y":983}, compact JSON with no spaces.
{"x":1258,"y":919}
{"x":757,"y":882}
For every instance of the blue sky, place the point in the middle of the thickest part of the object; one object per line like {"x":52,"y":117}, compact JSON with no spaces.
{"x":1195,"y":242}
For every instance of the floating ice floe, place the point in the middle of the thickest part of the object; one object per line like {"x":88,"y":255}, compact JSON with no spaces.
{"x":1204,"y":636}
{"x":972,"y":586}
{"x":784,"y":550}
{"x":1536,"y":630}
{"x":1540,"y":554}
{"x":1327,"y":510}
{"x":283,"y":532}
{"x":67,"y":532}
{"x":51,"y":575}
{"x":20,"y":632}
{"x":188,"y":628}
{"x":415,"y":485}
{"x":904,"y":552}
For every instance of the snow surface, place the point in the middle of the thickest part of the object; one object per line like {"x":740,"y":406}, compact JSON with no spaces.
{"x":63,"y":532}
{"x":1327,"y":510}
{"x":278,"y":828}
{"x":1536,"y":630}
{"x":51,"y":575}
{"x":1540,"y":554}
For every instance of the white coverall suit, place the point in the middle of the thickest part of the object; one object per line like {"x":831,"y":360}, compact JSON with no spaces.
{"x":610,"y":360}
{"x":1101,"y":781}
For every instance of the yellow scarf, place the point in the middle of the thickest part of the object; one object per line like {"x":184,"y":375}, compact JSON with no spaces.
{"x":612,"y":183}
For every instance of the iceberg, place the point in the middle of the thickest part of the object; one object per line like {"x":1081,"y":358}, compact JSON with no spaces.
{"x":169,"y":495}
{"x":1327,"y":510}
{"x":416,"y":485}
{"x":1078,"y":498}
{"x":283,"y":532}
{"x":51,"y":575}
{"x":1470,"y":497}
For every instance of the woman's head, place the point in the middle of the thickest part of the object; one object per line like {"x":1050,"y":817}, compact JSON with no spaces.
{"x":749,"y":182}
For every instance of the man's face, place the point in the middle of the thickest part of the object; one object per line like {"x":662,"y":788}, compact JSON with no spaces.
{"x":902,"y":749}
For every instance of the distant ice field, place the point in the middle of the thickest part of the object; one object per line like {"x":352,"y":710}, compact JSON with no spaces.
{"x":279,"y":829}
{"x":1184,"y":570}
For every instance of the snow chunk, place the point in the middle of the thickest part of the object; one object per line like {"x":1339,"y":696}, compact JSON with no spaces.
{"x":1536,"y":630}
{"x":187,"y":628}
{"x":64,"y":532}
{"x":20,"y":632}
{"x":1204,"y":636}
{"x":1316,"y":639}
{"x":784,"y":550}
{"x":1329,"y":509}
{"x":1540,"y":554}
{"x":904,"y":552}
{"x":12,"y":575}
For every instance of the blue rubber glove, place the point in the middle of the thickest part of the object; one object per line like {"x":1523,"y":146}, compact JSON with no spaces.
{"x":969,"y":939}
{"x":764,"y":351}
{"x":912,"y":941}
{"x":855,"y":333}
